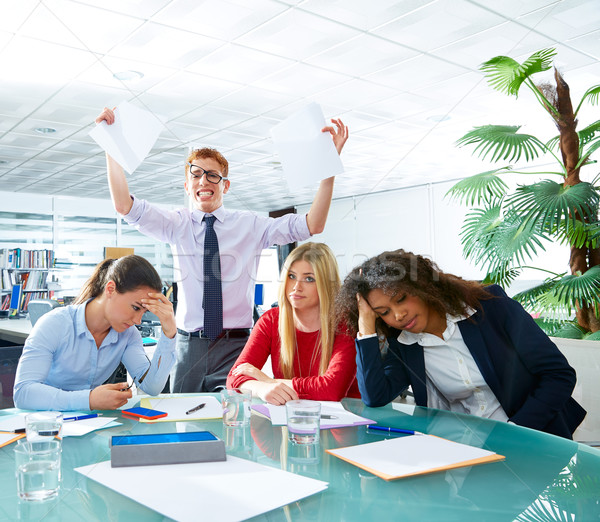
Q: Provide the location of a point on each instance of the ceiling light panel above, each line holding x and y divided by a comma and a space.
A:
417, 72
297, 35
97, 30
259, 100
167, 46
362, 55
239, 64
225, 20
361, 14
438, 24
301, 80
193, 87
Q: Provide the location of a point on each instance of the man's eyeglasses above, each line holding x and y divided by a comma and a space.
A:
198, 172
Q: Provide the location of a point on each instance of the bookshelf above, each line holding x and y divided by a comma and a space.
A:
28, 268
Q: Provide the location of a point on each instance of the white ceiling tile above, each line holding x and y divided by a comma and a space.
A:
297, 35
361, 14
237, 63
47, 64
193, 87
141, 9
301, 80
167, 46
362, 55
439, 23
258, 100
12, 18
96, 30
225, 19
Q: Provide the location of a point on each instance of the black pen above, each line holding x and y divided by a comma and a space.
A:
328, 416
199, 407
394, 430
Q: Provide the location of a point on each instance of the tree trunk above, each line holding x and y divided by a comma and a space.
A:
581, 259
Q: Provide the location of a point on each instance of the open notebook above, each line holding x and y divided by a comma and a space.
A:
401, 457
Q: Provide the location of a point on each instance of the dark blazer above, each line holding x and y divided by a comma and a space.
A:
526, 371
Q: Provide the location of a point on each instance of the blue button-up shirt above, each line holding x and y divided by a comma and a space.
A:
61, 363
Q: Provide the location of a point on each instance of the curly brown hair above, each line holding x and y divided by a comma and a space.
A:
399, 271
207, 152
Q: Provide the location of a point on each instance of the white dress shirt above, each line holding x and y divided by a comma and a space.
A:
454, 381
242, 237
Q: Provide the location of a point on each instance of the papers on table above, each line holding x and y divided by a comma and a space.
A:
7, 438
401, 457
12, 423
307, 155
235, 489
176, 407
129, 139
342, 417
78, 428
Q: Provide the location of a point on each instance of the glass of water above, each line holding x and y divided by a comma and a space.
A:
303, 421
37, 468
43, 425
236, 407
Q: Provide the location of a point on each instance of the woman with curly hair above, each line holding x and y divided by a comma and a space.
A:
460, 345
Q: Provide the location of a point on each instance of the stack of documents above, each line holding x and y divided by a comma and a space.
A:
402, 457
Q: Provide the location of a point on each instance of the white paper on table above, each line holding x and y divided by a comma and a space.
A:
129, 139
409, 409
12, 422
414, 454
82, 427
176, 407
235, 489
343, 417
307, 155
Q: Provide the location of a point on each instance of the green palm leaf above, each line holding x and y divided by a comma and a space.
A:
507, 75
588, 134
502, 275
581, 288
553, 143
578, 234
484, 186
593, 93
548, 202
477, 228
503, 142
514, 240
586, 155
530, 299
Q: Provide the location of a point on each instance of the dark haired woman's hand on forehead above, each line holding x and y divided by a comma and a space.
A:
366, 317
160, 306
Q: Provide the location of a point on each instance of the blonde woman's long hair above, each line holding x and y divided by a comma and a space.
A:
324, 265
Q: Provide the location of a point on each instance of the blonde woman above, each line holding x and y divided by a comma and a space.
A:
310, 357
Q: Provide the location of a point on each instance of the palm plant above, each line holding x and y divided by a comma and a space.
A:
505, 230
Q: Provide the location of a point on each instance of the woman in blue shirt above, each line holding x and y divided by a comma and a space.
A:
72, 350
461, 346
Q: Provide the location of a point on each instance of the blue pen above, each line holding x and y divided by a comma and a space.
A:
81, 417
394, 430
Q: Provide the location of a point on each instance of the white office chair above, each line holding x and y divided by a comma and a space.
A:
38, 307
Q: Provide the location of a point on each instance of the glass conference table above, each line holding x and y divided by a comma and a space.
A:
544, 478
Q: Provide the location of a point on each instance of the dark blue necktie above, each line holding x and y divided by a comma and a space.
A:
213, 297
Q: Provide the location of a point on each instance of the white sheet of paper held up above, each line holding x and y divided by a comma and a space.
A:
307, 155
129, 139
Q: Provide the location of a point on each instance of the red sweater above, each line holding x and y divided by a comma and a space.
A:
338, 381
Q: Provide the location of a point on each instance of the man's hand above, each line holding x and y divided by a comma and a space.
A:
107, 115
339, 134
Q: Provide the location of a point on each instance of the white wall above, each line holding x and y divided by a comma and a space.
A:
419, 219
